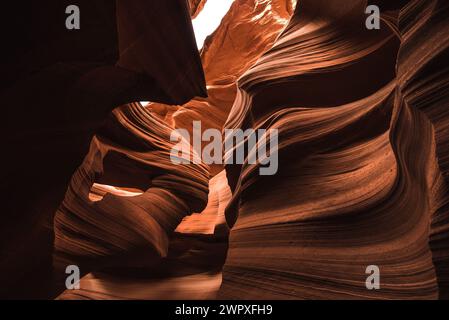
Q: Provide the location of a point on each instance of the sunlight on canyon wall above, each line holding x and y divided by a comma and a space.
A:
363, 158
209, 19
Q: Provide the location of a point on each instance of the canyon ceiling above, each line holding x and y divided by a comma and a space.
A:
363, 122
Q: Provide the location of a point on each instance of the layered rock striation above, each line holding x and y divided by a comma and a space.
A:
362, 170
361, 164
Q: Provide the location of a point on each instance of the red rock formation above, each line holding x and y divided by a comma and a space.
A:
195, 7
363, 164
421, 111
355, 186
248, 29
61, 97
192, 269
213, 111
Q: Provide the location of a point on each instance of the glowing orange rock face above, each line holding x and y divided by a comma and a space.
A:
363, 141
127, 169
195, 7
249, 29
359, 182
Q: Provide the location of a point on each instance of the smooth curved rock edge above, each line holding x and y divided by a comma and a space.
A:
362, 159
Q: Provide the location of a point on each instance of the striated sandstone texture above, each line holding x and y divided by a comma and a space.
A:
361, 117
195, 7
363, 151
150, 242
61, 89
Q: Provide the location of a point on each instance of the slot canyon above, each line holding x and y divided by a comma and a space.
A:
363, 155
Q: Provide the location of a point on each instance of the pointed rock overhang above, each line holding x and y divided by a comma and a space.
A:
153, 40
156, 38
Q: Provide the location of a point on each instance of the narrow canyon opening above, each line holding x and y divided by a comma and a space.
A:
90, 180
209, 19
207, 22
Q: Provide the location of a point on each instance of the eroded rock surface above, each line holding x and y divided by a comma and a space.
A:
363, 133
361, 166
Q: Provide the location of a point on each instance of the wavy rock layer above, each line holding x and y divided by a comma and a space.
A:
132, 151
115, 226
358, 180
363, 154
246, 32
191, 269
130, 158
57, 95
422, 104
195, 7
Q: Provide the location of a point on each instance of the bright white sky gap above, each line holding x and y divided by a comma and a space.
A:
209, 19
207, 22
